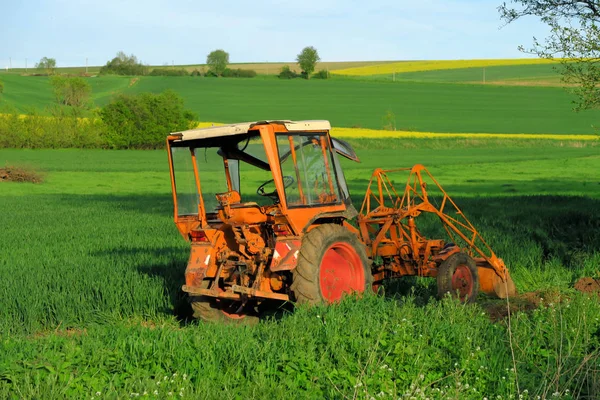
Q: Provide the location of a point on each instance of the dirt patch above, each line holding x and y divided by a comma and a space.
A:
526, 302
18, 174
588, 285
133, 81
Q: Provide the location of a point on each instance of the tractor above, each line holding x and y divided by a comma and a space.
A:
267, 211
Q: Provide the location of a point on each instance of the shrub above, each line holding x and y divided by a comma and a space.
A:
71, 91
169, 72
210, 74
41, 132
143, 121
1, 87
239, 73
287, 73
47, 64
322, 74
123, 64
195, 72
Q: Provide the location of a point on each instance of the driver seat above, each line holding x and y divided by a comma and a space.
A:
231, 209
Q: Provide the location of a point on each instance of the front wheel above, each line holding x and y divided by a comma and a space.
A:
458, 276
332, 263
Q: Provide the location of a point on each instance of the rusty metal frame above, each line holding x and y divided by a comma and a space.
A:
387, 226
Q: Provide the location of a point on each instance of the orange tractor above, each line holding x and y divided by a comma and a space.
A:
267, 211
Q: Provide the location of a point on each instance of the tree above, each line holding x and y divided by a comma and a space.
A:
123, 64
574, 39
71, 91
141, 121
217, 61
308, 59
47, 63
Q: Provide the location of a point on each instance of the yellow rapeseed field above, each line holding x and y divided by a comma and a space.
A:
415, 66
360, 133
384, 134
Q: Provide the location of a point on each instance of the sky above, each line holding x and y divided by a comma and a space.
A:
162, 32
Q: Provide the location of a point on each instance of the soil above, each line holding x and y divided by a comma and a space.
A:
588, 285
16, 174
498, 309
526, 302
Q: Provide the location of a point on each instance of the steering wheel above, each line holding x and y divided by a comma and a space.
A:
287, 182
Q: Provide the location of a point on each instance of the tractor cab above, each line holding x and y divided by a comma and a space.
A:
281, 173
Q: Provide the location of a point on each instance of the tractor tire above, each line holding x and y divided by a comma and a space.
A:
458, 276
210, 309
332, 262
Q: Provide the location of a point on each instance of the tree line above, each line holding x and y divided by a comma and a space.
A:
217, 62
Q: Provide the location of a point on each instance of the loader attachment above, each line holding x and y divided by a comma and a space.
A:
388, 227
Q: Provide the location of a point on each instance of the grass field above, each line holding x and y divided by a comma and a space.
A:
409, 106
524, 75
91, 266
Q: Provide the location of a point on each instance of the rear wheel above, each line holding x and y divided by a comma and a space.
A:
332, 263
458, 276
212, 309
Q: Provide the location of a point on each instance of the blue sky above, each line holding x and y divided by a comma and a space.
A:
184, 32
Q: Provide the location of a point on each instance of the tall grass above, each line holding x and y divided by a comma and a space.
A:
367, 348
91, 267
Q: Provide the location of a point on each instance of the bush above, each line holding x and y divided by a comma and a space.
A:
239, 73
169, 72
210, 74
1, 87
195, 72
42, 132
71, 91
322, 74
287, 73
123, 64
143, 121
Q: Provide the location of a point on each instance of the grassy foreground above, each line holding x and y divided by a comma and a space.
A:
91, 268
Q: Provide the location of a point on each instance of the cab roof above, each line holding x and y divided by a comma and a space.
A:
244, 127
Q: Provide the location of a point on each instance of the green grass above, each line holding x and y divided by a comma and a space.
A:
92, 264
429, 107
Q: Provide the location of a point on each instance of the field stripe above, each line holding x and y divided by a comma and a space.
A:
417, 66
360, 133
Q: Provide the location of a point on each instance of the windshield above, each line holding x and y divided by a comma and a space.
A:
308, 168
